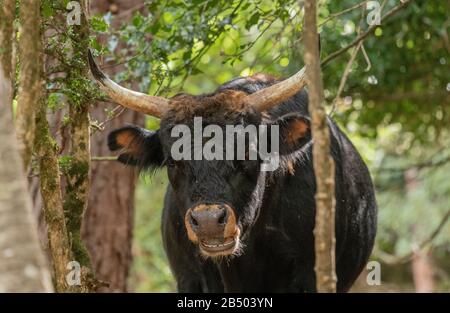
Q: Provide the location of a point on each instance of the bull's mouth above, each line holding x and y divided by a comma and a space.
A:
213, 229
219, 247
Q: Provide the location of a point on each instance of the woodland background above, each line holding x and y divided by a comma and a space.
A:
390, 94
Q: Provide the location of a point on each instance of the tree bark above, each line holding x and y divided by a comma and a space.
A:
50, 187
7, 9
421, 259
108, 221
422, 270
77, 171
31, 83
22, 262
324, 231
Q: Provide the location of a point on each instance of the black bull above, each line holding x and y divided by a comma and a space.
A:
227, 226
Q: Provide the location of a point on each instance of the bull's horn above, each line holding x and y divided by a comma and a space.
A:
137, 101
271, 96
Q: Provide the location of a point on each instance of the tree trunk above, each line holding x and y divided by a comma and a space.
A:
63, 211
7, 9
50, 190
31, 83
422, 269
421, 265
108, 221
77, 169
324, 231
22, 262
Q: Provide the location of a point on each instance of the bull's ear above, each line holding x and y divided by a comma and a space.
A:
138, 147
295, 132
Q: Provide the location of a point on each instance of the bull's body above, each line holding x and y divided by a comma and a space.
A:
227, 224
278, 252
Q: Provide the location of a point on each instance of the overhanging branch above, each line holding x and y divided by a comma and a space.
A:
365, 34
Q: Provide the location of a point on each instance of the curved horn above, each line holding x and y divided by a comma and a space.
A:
137, 101
271, 96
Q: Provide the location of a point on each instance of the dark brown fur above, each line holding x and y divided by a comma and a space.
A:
185, 107
227, 102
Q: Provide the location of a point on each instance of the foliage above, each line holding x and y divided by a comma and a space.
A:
407, 80
180, 43
412, 194
150, 270
178, 39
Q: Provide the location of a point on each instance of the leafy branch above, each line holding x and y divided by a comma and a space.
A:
365, 34
395, 260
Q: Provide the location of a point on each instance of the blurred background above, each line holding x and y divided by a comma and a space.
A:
394, 105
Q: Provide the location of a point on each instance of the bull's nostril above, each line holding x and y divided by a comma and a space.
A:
223, 217
194, 221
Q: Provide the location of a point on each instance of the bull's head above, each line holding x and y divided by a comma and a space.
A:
218, 200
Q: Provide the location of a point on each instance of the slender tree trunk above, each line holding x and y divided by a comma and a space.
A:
77, 171
65, 200
324, 230
50, 189
31, 83
108, 222
421, 265
422, 269
22, 262
47, 152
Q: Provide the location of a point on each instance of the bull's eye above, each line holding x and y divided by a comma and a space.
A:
170, 162
194, 221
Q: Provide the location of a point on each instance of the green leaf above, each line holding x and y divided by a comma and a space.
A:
99, 24
137, 20
47, 9
253, 20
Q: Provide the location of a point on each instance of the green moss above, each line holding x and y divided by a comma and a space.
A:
64, 163
77, 169
68, 52
73, 210
79, 251
77, 173
42, 135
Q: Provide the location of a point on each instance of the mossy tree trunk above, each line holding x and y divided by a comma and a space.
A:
78, 166
64, 168
7, 9
31, 82
46, 151
32, 97
108, 221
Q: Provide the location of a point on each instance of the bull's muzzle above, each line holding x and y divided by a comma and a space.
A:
213, 227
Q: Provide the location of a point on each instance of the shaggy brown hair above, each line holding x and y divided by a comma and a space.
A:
222, 102
226, 102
